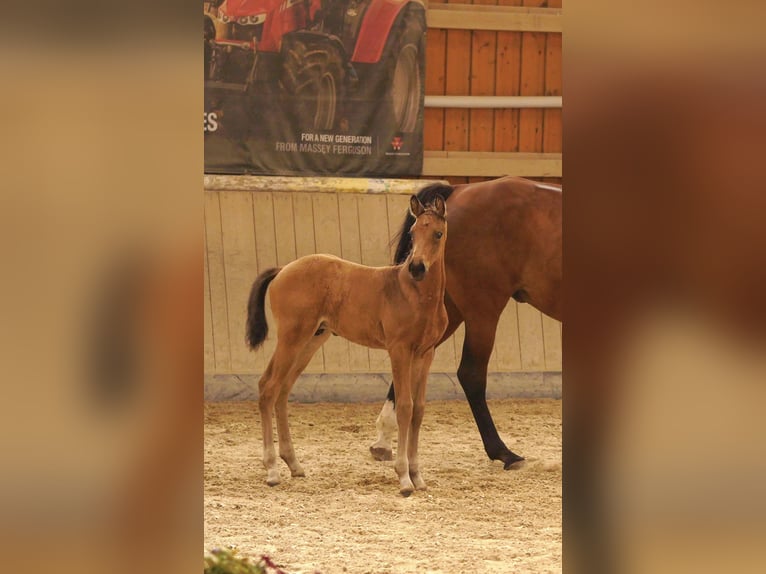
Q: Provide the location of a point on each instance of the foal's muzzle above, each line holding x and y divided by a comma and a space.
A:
417, 270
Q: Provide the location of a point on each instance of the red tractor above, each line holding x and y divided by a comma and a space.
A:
325, 61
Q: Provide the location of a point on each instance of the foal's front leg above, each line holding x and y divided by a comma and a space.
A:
401, 364
420, 369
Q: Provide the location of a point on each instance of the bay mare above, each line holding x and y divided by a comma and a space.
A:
505, 242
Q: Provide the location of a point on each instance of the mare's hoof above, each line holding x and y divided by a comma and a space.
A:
513, 462
380, 453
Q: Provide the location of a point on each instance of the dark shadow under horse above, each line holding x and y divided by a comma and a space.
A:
504, 242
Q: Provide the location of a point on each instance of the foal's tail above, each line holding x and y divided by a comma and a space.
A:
403, 239
257, 328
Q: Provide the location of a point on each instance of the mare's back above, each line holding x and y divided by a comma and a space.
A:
505, 233
507, 215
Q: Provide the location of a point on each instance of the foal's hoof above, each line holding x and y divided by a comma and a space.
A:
380, 453
272, 478
406, 491
513, 462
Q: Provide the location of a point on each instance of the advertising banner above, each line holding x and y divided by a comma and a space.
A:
314, 87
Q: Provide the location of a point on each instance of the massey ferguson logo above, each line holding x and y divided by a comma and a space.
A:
396, 143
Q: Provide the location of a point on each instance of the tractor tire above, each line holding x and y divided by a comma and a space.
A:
312, 80
402, 66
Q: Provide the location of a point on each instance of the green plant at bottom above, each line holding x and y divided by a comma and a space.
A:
226, 561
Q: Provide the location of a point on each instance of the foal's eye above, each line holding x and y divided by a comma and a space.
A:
438, 235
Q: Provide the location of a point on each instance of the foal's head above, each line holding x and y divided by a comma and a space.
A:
429, 234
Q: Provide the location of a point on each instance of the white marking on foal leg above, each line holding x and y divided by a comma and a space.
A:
382, 449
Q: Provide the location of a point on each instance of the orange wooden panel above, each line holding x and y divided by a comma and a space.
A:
483, 62
457, 83
532, 84
552, 117
436, 62
507, 83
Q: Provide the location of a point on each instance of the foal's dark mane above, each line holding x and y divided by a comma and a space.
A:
426, 196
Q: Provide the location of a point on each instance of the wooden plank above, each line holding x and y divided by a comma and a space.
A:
373, 219
507, 83
457, 83
241, 265
305, 244
436, 70
397, 207
209, 349
483, 61
507, 339
327, 238
532, 84
317, 184
552, 343
217, 283
463, 17
284, 227
351, 249
552, 124
490, 164
266, 254
531, 338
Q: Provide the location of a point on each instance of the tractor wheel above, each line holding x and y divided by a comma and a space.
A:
312, 80
403, 63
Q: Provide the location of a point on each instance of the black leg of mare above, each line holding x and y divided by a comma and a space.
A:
472, 375
391, 396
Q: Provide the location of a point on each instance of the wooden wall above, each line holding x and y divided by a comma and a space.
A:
248, 231
495, 63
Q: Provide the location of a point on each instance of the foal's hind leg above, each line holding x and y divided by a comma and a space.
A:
286, 450
266, 398
270, 388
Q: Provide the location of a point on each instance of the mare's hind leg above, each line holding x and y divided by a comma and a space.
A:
472, 374
382, 448
286, 450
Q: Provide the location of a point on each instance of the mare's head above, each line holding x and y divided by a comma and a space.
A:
429, 234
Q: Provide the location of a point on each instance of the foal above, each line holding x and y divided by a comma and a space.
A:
398, 308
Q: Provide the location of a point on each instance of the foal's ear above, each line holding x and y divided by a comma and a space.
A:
440, 206
416, 208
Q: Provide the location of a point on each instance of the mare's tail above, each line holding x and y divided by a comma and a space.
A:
426, 196
257, 328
